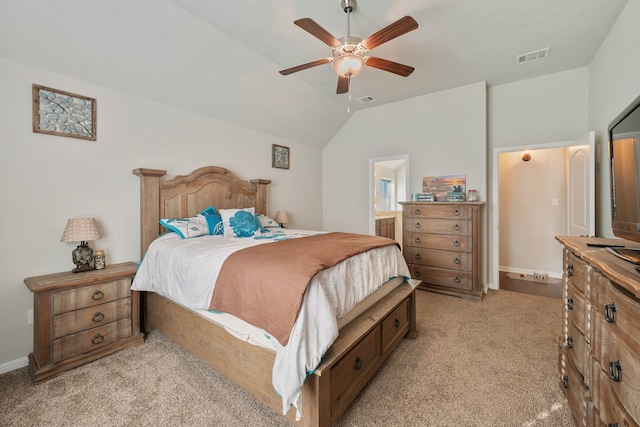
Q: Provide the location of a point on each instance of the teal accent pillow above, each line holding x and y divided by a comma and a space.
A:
239, 222
214, 221
187, 228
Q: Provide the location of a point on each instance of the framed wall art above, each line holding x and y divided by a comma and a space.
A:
279, 156
56, 112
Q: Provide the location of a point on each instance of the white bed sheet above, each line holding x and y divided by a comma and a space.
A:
185, 270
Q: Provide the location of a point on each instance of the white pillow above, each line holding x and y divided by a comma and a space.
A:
187, 228
239, 222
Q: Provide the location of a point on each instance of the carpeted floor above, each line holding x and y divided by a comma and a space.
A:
492, 363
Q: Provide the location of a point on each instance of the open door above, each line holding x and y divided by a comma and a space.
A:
580, 187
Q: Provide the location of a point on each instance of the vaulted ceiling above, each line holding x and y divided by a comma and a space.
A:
221, 58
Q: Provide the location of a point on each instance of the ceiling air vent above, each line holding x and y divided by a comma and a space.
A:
533, 56
366, 99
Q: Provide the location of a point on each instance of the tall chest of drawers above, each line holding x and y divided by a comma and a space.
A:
81, 317
599, 349
441, 244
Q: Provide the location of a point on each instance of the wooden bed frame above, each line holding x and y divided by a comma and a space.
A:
348, 365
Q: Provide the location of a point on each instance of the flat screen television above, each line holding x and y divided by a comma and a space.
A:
624, 149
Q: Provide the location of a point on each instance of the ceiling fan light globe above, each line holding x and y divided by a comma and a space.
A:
348, 65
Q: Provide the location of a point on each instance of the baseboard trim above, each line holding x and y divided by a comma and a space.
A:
13, 365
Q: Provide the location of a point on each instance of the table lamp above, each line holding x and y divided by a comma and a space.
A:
282, 217
81, 230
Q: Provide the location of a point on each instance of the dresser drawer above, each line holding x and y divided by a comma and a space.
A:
577, 309
86, 341
453, 227
87, 296
577, 395
439, 211
395, 326
577, 272
611, 411
439, 258
440, 241
576, 349
349, 374
80, 320
442, 277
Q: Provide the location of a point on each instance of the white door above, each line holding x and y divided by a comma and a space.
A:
580, 187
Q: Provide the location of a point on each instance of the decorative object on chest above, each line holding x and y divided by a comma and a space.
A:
79, 318
599, 349
441, 245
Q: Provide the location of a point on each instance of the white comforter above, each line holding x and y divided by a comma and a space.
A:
186, 270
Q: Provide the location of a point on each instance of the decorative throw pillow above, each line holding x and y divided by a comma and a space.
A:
187, 228
239, 222
214, 220
267, 222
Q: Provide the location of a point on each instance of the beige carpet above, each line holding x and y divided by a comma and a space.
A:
492, 363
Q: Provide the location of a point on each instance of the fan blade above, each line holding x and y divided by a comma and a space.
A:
390, 66
304, 66
343, 85
313, 28
398, 28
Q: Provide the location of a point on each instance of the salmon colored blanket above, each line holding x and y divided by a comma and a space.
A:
264, 284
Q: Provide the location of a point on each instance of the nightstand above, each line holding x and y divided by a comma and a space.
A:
82, 317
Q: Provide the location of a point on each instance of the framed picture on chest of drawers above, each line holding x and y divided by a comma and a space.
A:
441, 244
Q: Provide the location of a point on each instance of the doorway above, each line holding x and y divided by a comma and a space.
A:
388, 186
539, 194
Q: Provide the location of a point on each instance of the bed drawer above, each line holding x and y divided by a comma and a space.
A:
395, 326
354, 369
80, 320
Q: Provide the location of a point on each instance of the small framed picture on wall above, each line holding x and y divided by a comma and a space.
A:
61, 113
279, 157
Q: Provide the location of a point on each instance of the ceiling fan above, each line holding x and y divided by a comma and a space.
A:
349, 53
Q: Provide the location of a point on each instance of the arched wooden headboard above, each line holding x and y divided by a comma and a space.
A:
186, 195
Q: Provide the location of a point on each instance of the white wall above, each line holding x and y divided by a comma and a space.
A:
614, 83
443, 133
48, 179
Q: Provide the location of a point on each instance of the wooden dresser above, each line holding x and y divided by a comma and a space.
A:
599, 350
386, 227
81, 317
441, 244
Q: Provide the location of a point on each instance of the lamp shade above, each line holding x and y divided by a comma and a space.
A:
282, 217
81, 230
348, 65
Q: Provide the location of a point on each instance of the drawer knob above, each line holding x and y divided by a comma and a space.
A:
417, 211
610, 312
417, 256
456, 212
565, 381
97, 295
570, 270
397, 323
614, 425
417, 240
456, 261
97, 339
418, 225
97, 317
569, 303
456, 227
456, 279
456, 243
614, 371
569, 342
358, 364
417, 274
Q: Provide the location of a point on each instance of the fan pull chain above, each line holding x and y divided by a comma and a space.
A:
349, 98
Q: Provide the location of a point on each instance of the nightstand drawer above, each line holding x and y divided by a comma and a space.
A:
89, 340
88, 296
80, 320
